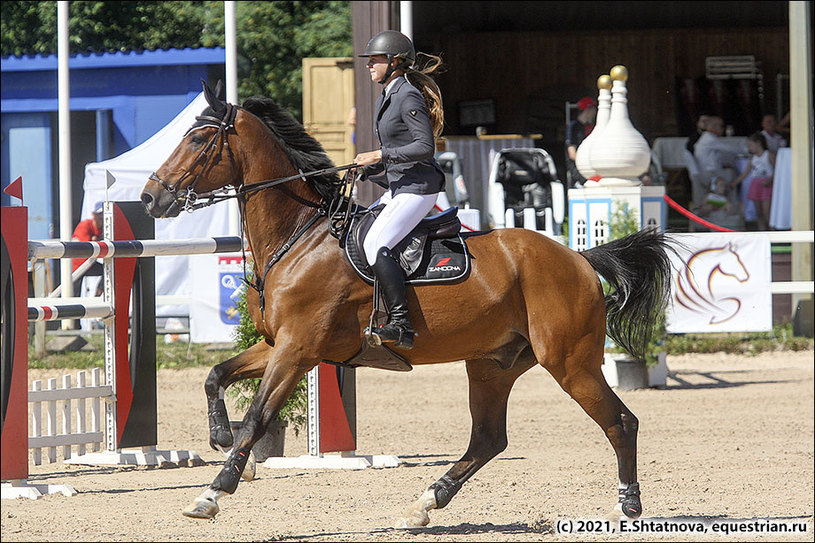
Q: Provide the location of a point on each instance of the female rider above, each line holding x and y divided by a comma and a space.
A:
407, 120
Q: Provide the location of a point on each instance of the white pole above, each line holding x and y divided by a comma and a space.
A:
66, 221
230, 42
801, 137
406, 18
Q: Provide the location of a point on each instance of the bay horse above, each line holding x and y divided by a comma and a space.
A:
528, 300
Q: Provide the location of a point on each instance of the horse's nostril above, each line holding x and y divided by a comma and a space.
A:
146, 200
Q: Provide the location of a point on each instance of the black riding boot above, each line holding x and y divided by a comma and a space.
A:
391, 280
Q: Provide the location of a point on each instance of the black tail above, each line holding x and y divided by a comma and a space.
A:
638, 270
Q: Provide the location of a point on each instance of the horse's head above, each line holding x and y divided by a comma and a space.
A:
731, 264
197, 165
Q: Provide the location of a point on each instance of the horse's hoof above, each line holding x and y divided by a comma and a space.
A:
629, 503
415, 519
206, 509
249, 471
631, 509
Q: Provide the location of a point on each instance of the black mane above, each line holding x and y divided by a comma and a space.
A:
304, 152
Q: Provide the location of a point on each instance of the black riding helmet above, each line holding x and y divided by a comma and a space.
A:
392, 44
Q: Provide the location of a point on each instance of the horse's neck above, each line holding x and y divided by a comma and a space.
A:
704, 265
271, 216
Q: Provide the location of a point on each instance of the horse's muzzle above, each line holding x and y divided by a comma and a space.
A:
158, 202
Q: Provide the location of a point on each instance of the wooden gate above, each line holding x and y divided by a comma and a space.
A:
328, 100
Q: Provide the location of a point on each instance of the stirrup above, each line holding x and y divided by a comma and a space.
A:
391, 333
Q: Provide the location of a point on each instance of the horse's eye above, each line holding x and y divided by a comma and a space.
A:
197, 140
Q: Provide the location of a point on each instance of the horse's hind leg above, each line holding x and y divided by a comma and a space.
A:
489, 387
246, 365
588, 387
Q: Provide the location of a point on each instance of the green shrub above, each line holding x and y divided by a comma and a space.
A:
295, 410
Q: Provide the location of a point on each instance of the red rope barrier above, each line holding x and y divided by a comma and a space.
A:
695, 218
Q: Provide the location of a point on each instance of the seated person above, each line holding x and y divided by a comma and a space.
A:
715, 155
701, 122
716, 198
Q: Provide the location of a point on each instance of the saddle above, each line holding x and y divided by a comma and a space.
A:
444, 259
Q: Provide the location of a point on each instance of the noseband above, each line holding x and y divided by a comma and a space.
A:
185, 198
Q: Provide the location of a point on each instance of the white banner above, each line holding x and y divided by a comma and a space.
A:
216, 288
721, 283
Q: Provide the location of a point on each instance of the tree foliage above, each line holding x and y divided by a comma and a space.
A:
272, 37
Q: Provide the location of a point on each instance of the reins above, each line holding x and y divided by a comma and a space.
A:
219, 195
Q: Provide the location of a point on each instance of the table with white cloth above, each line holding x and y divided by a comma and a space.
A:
781, 203
670, 152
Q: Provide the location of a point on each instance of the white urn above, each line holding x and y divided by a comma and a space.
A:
583, 158
620, 153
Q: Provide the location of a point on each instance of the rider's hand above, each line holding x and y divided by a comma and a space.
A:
366, 159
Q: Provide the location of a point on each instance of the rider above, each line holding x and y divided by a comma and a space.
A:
407, 120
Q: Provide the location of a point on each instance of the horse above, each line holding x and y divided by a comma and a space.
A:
529, 300
695, 284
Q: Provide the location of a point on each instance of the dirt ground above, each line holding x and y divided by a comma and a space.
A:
729, 439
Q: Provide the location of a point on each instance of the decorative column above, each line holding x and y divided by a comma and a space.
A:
620, 153
583, 159
617, 154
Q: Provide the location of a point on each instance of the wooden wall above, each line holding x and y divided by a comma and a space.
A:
531, 75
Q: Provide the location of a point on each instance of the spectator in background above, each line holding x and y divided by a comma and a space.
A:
715, 155
760, 170
576, 132
784, 126
769, 129
701, 122
89, 230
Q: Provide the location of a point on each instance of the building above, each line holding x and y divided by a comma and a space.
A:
117, 101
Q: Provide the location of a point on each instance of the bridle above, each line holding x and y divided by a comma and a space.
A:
186, 198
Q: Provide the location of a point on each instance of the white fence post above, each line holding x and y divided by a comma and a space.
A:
51, 409
66, 416
37, 421
80, 411
96, 411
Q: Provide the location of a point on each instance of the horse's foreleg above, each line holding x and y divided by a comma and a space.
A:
279, 380
246, 365
489, 388
589, 389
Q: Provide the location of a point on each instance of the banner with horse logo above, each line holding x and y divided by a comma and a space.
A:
720, 283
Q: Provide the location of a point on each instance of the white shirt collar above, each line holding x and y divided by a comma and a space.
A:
390, 85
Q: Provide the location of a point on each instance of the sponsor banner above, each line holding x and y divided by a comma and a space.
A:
720, 283
216, 289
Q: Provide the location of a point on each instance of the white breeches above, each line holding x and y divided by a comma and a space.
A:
401, 214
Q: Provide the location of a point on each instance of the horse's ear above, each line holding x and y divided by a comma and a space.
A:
220, 91
212, 97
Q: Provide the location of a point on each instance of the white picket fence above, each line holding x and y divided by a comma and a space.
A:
72, 406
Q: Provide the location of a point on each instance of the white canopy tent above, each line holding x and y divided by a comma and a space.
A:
131, 171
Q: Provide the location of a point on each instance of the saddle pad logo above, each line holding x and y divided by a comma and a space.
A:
442, 265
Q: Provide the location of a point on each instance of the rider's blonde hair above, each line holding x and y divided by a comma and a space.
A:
420, 78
